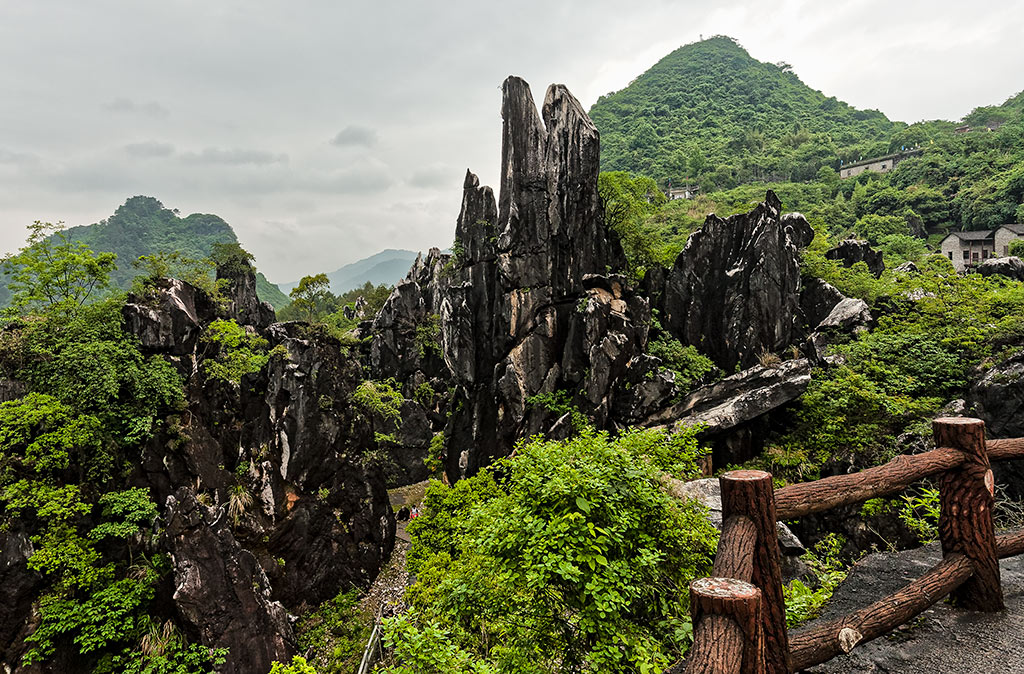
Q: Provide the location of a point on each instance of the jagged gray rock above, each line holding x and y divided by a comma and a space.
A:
1010, 267
170, 318
738, 399
817, 299
221, 592
852, 251
733, 292
243, 304
531, 308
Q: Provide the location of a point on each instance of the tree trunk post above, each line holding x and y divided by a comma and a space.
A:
727, 627
750, 493
965, 519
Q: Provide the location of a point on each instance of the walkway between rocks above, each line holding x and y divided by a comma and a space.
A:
943, 640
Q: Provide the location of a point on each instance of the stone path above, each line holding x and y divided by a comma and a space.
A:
943, 640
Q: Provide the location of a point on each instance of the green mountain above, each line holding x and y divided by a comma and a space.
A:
388, 267
143, 226
710, 114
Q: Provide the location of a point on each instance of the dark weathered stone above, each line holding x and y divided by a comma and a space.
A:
738, 399
169, 319
531, 308
243, 305
1010, 267
221, 593
817, 299
734, 289
18, 589
852, 251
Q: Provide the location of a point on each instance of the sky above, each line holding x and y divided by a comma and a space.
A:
324, 131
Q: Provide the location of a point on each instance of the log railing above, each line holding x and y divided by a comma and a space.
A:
739, 615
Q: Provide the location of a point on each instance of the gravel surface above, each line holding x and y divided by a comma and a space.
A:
943, 639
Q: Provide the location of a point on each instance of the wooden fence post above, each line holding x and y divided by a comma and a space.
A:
965, 519
749, 493
727, 627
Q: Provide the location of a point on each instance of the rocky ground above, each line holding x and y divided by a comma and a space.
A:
943, 639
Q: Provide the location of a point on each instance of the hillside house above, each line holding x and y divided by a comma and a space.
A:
966, 249
878, 164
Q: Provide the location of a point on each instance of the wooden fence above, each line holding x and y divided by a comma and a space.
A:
739, 615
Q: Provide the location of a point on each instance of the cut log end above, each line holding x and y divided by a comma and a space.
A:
848, 638
958, 421
724, 588
746, 475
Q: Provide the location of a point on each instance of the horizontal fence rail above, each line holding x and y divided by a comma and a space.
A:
739, 614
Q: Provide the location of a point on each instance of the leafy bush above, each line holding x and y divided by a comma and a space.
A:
804, 603
235, 351
333, 636
379, 398
572, 558
688, 364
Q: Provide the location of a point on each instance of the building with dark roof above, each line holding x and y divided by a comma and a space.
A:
966, 249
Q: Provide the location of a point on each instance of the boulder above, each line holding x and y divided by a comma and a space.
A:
734, 290
220, 592
738, 399
1010, 267
906, 268
817, 299
852, 251
850, 316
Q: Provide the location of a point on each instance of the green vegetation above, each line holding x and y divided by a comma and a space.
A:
66, 448
143, 227
804, 603
313, 302
709, 114
232, 352
334, 635
567, 556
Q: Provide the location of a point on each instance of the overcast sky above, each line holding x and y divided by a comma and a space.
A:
326, 130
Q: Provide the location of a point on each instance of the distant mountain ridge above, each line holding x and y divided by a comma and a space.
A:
710, 113
143, 226
388, 267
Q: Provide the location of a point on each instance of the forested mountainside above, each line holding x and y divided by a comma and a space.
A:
709, 110
143, 226
709, 115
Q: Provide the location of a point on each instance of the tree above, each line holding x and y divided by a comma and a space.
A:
1017, 248
53, 273
312, 296
628, 201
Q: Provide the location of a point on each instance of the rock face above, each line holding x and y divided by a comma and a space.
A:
852, 251
170, 319
739, 398
220, 590
1010, 267
735, 410
240, 289
997, 396
531, 309
292, 462
406, 347
817, 299
734, 289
